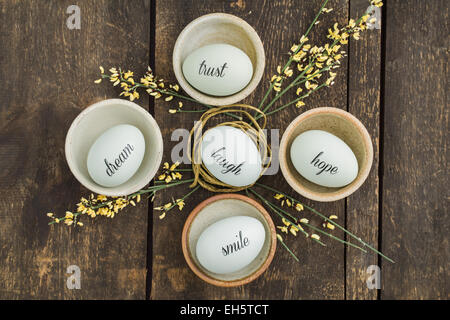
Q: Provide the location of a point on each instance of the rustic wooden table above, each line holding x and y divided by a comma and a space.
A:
395, 80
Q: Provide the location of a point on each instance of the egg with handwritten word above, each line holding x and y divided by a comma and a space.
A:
231, 156
116, 155
218, 69
230, 244
324, 159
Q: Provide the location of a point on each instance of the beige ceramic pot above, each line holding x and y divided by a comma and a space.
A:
343, 125
96, 119
212, 29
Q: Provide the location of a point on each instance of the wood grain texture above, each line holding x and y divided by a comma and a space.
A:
364, 102
415, 181
47, 72
320, 274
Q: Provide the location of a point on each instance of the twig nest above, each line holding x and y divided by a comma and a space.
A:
231, 156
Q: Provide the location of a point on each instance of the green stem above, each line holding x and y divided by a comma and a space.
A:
280, 94
274, 207
152, 189
182, 199
328, 220
276, 211
288, 250
299, 48
190, 111
293, 101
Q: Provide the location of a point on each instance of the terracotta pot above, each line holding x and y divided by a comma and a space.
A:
217, 208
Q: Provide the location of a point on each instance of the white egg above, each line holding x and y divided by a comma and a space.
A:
218, 69
116, 155
324, 159
231, 156
230, 244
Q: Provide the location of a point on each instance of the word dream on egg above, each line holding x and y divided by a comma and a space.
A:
116, 155
119, 161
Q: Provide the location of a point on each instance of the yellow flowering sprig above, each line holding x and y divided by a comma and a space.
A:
101, 205
170, 172
329, 220
284, 215
296, 52
175, 202
313, 62
154, 86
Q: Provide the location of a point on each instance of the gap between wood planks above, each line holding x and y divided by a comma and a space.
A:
381, 134
151, 107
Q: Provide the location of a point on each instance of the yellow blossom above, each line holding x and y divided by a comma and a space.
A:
315, 236
102, 197
299, 104
180, 204
127, 74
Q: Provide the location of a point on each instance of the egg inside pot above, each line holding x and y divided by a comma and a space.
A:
116, 155
324, 159
230, 244
218, 69
231, 156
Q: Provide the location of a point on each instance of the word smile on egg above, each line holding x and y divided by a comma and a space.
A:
111, 168
212, 71
241, 243
222, 161
323, 166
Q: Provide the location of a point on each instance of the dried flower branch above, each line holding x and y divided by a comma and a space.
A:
101, 205
154, 86
313, 62
329, 219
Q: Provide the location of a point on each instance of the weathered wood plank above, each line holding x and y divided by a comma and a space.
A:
47, 74
320, 274
364, 103
415, 193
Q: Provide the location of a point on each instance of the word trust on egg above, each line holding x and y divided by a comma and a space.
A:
324, 159
231, 156
218, 69
116, 155
230, 244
